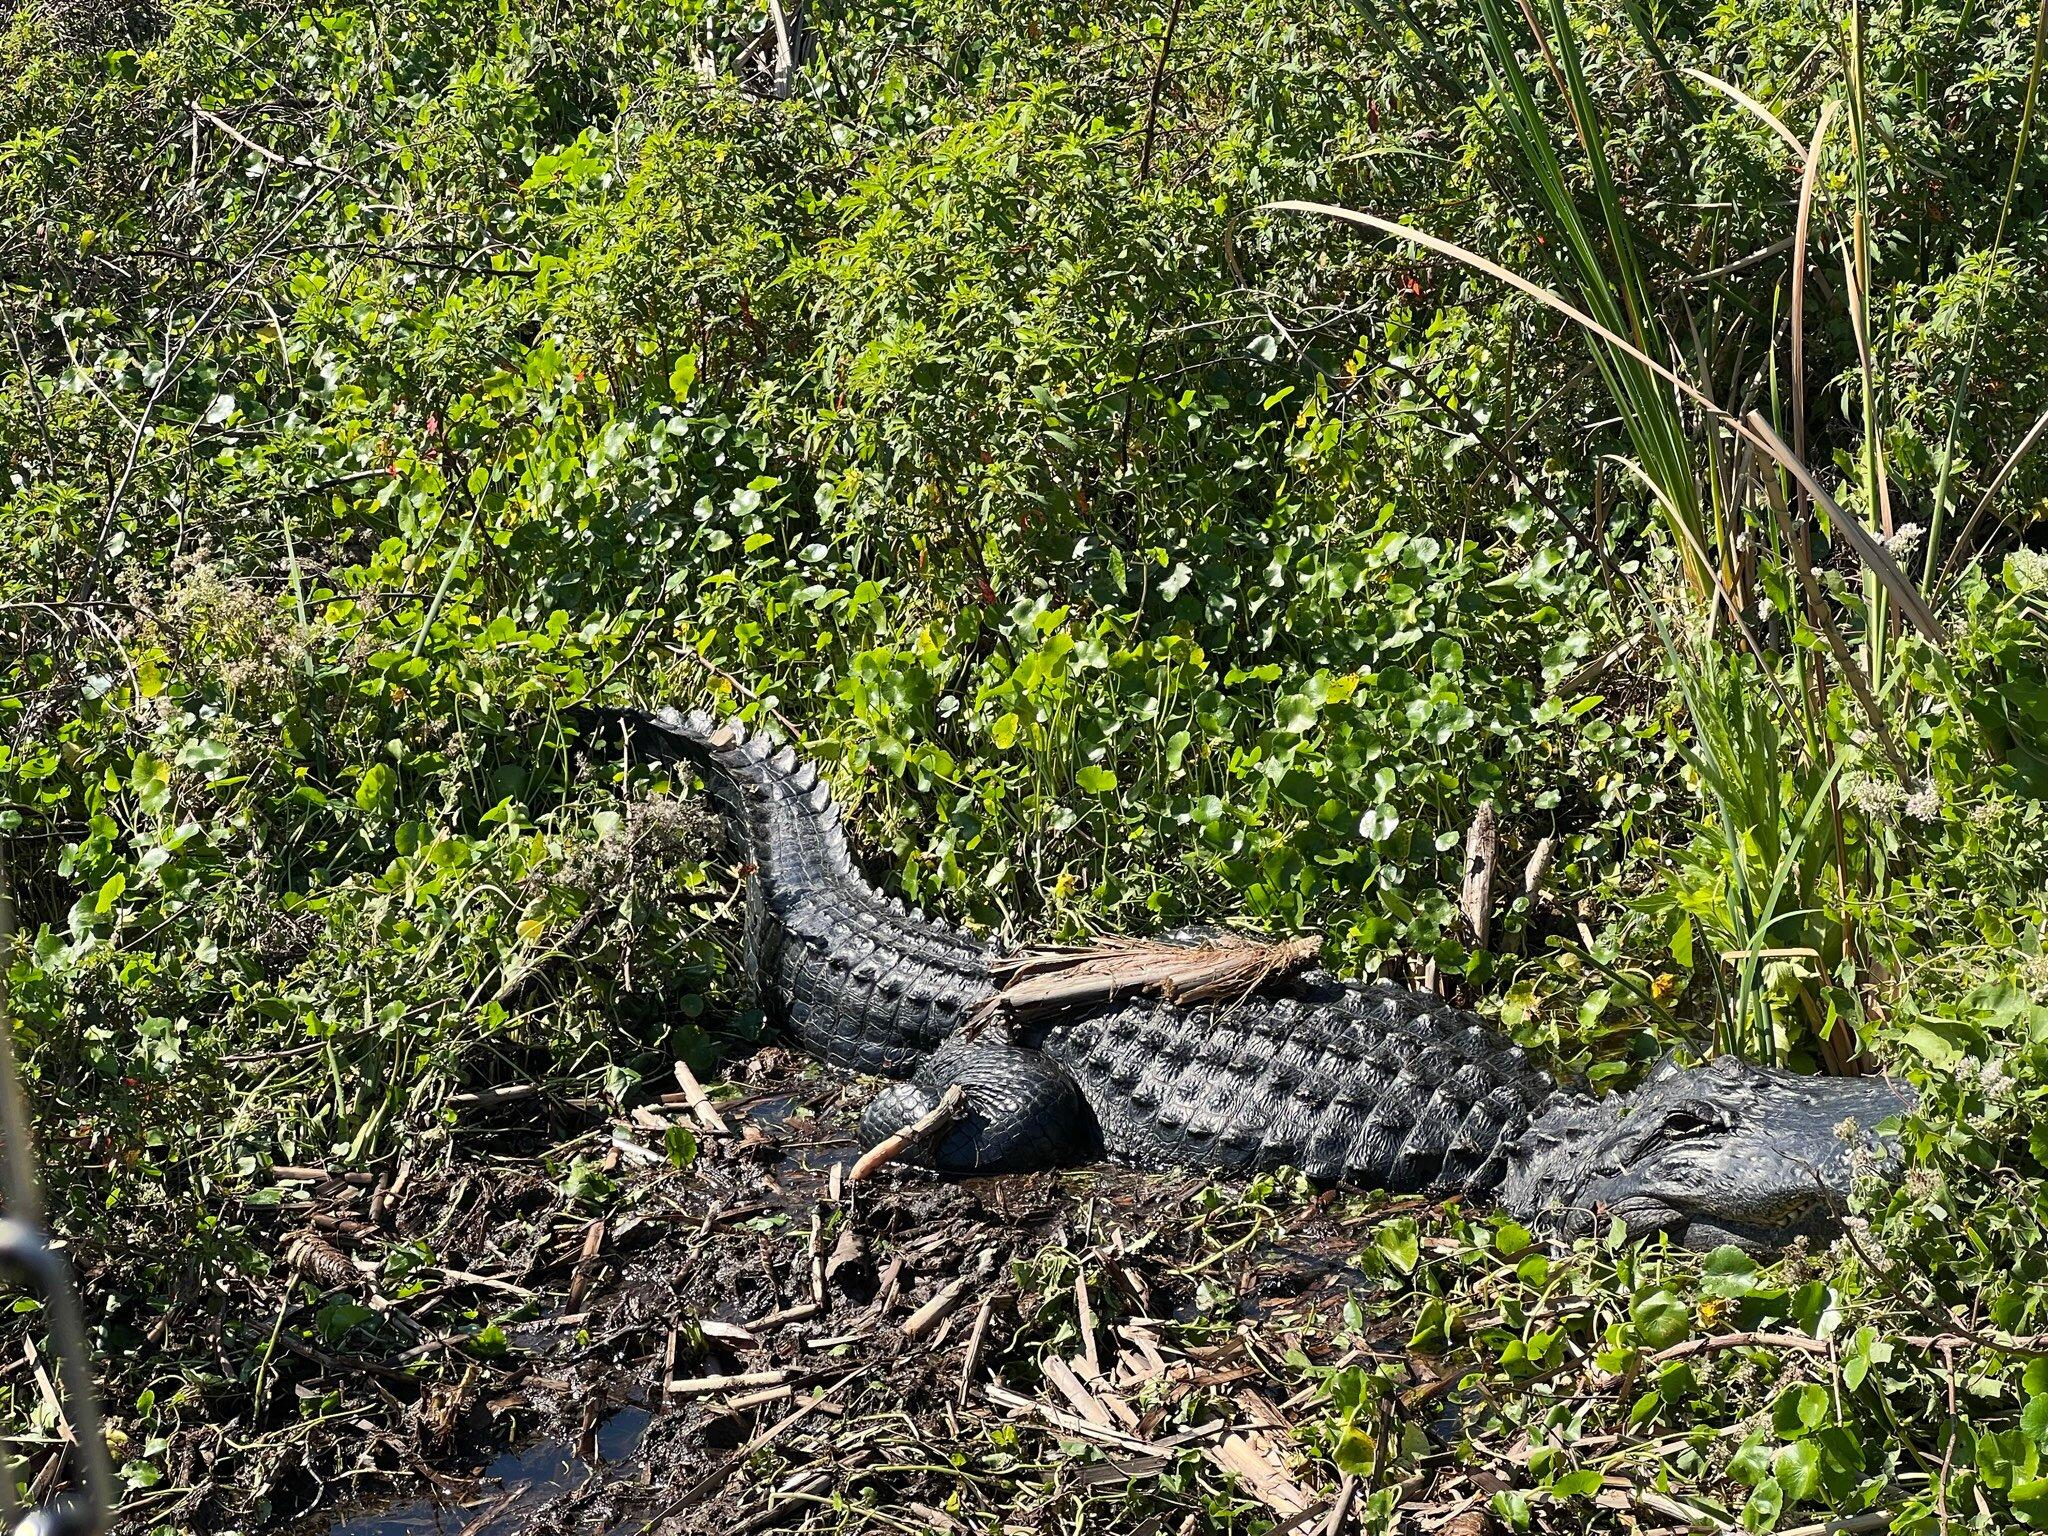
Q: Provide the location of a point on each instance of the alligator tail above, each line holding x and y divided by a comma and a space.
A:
777, 810
856, 977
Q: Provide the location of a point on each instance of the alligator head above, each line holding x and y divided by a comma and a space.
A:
1724, 1153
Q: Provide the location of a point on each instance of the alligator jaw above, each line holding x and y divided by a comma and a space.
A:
1725, 1153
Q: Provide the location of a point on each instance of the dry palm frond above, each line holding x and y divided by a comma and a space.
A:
1058, 979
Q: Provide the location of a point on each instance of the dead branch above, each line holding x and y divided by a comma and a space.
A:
894, 1145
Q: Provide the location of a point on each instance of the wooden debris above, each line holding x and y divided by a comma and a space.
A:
887, 1286
1246, 1460
835, 1340
976, 1341
323, 1263
1120, 1410
926, 1317
699, 1386
1482, 854
485, 1098
1110, 1470
796, 1314
1070, 1423
1037, 983
894, 1145
1068, 1385
632, 1151
758, 1399
1347, 1491
484, 1282
586, 1263
699, 1102
1084, 1319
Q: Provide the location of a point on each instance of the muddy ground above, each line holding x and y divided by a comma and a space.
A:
748, 1342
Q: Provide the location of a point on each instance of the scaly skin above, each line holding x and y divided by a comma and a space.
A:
1371, 1086
852, 976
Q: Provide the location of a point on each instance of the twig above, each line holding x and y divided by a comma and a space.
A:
698, 1386
484, 1098
926, 1317
273, 156
1158, 85
1341, 1510
1084, 1318
976, 1339
1482, 853
586, 1263
1585, 678
894, 1145
699, 1101
1746, 1340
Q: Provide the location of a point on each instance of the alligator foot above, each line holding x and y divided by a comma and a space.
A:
1023, 1110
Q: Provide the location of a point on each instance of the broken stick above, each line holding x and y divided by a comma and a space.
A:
928, 1316
1482, 853
896, 1143
699, 1101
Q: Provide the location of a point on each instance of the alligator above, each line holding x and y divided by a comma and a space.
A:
1364, 1085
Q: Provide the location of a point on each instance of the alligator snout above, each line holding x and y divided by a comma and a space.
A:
1725, 1153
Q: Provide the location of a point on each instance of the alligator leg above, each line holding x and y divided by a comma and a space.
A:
1023, 1110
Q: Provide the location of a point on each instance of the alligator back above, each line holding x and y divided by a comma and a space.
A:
1373, 1086
854, 977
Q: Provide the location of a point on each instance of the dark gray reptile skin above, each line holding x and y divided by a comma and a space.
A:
1372, 1086
1368, 1085
854, 977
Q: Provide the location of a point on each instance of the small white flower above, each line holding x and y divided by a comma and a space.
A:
2027, 570
1877, 799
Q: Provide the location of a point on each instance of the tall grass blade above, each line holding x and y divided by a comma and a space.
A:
1749, 103
1752, 426
1809, 180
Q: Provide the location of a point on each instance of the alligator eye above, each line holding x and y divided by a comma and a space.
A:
1687, 1121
